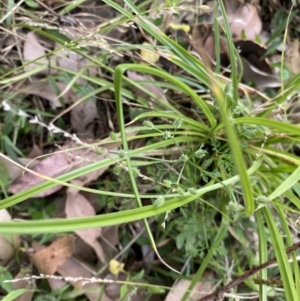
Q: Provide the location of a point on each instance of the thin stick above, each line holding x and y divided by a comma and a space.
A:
217, 295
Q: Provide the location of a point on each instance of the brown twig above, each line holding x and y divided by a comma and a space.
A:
218, 294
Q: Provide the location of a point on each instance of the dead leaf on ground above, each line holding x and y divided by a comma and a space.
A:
255, 68
32, 50
14, 172
24, 284
46, 91
203, 43
75, 269
64, 161
113, 290
200, 290
109, 239
292, 57
8, 243
78, 206
83, 251
243, 19
50, 258
35, 152
159, 98
74, 62
83, 116
259, 78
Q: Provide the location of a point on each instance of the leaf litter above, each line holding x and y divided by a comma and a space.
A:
245, 25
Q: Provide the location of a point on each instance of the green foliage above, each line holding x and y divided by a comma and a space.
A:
209, 169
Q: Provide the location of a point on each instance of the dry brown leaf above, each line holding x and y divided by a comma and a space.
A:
203, 43
82, 118
63, 161
23, 284
292, 57
35, 152
14, 172
49, 259
84, 252
255, 67
8, 243
113, 289
260, 79
243, 19
45, 90
71, 62
109, 239
74, 268
78, 206
200, 290
160, 97
32, 50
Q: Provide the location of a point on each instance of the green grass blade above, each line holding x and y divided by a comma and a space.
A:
220, 236
263, 254
115, 218
286, 185
281, 257
236, 151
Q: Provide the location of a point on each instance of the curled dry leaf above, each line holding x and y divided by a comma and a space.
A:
49, 259
8, 243
78, 206
243, 19
33, 50
200, 289
63, 161
255, 68
259, 78
159, 96
75, 269
83, 116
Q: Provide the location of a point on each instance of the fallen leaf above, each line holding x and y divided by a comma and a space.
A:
109, 239
71, 61
83, 117
75, 269
32, 50
8, 243
159, 96
292, 57
243, 19
35, 152
45, 90
63, 161
84, 252
203, 43
49, 259
78, 206
254, 54
24, 284
14, 172
255, 68
200, 289
260, 79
